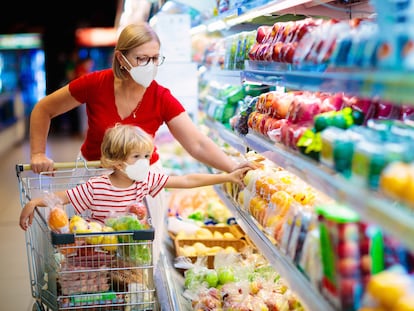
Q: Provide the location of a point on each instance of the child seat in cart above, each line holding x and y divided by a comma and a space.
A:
84, 270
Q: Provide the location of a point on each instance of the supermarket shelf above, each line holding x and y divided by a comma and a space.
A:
396, 219
389, 85
248, 12
231, 77
297, 282
228, 136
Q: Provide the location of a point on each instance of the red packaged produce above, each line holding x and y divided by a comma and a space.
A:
271, 38
280, 105
274, 132
387, 111
304, 27
407, 112
252, 54
263, 51
365, 106
287, 52
304, 108
333, 102
263, 33
292, 132
277, 31
261, 103
287, 29
277, 54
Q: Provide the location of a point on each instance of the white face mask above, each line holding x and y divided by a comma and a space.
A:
142, 74
139, 170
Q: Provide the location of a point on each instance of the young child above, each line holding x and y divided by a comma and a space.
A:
125, 149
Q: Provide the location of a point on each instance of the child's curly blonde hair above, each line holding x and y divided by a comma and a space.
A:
122, 139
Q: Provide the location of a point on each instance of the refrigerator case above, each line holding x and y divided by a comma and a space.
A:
22, 83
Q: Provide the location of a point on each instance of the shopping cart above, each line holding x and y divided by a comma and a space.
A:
84, 271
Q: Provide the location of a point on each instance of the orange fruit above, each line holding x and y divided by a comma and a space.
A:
58, 219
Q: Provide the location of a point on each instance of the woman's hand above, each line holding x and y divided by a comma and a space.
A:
41, 163
246, 164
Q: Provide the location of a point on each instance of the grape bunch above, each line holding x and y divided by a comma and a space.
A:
248, 106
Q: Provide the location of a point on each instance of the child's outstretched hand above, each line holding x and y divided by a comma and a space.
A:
26, 215
237, 176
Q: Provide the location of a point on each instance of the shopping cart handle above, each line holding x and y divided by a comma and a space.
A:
62, 165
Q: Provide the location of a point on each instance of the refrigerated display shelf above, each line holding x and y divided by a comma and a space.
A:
389, 85
170, 282
395, 218
297, 282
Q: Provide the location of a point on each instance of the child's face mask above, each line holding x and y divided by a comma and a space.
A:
139, 170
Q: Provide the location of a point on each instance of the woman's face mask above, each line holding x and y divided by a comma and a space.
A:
142, 74
139, 170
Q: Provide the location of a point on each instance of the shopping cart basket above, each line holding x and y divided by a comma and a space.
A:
84, 271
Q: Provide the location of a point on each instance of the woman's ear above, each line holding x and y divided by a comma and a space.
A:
120, 59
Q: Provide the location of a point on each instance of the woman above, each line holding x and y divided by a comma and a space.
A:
126, 94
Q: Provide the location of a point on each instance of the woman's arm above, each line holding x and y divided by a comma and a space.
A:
200, 146
200, 180
47, 108
27, 213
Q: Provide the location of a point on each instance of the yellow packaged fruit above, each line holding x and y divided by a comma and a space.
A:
203, 233
94, 227
281, 201
58, 219
228, 235
394, 179
109, 241
218, 235
388, 287
405, 303
408, 194
78, 225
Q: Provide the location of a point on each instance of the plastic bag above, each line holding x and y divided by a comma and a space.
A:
58, 220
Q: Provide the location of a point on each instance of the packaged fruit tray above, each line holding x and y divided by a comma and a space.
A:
194, 248
230, 232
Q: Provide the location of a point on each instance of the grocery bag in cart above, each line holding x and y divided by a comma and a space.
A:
110, 268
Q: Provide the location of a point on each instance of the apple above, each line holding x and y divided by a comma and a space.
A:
253, 51
276, 55
211, 277
138, 209
348, 249
262, 33
225, 275
348, 266
109, 241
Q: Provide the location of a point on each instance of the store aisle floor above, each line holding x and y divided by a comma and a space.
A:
15, 292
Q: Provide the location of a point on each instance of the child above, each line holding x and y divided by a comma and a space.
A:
125, 149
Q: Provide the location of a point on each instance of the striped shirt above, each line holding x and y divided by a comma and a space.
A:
102, 200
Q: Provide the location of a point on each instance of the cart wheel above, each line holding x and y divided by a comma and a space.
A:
38, 307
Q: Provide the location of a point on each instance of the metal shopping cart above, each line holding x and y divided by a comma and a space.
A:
84, 271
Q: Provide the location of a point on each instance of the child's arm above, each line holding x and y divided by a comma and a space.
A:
200, 180
27, 213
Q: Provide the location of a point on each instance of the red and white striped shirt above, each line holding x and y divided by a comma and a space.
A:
102, 199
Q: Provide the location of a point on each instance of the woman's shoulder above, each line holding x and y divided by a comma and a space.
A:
98, 75
101, 74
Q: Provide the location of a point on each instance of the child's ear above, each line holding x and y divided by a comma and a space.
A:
119, 165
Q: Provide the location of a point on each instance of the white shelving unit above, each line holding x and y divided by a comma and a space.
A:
396, 219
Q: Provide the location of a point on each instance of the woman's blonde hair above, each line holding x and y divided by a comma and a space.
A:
122, 139
132, 36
